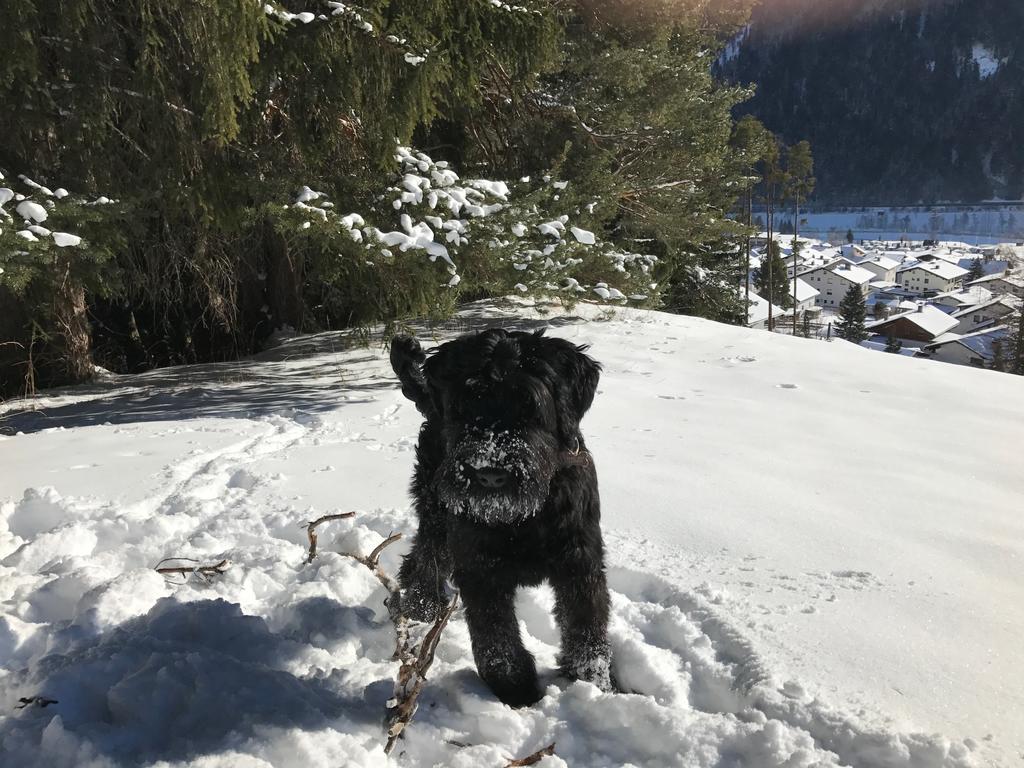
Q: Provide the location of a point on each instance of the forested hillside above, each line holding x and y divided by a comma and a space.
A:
180, 178
904, 101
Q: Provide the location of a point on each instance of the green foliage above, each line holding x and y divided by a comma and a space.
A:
892, 344
975, 272
771, 281
998, 362
889, 94
851, 316
206, 118
1014, 343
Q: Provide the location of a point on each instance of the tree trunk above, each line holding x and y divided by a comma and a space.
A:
74, 340
796, 233
284, 280
746, 269
771, 277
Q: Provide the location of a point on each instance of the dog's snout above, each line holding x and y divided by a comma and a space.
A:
492, 477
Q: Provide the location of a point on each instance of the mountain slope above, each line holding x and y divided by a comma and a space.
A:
904, 101
814, 552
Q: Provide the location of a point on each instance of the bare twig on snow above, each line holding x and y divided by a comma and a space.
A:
206, 571
412, 677
311, 530
533, 759
37, 701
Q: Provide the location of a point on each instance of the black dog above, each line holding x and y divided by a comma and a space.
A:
506, 495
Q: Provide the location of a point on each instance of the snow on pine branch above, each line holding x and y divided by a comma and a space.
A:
521, 244
358, 18
31, 209
353, 15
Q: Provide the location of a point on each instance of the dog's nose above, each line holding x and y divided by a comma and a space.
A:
492, 477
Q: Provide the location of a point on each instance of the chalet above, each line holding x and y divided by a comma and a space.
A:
757, 312
925, 324
968, 296
806, 295
990, 313
833, 281
975, 349
1007, 282
930, 277
883, 267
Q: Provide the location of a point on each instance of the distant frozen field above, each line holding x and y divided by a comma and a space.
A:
816, 554
973, 225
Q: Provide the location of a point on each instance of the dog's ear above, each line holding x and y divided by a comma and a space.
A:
584, 375
407, 358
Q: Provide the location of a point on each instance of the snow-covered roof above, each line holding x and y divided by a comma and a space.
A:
929, 319
944, 269
884, 262
987, 267
964, 297
853, 273
757, 312
805, 291
1012, 278
1004, 300
979, 341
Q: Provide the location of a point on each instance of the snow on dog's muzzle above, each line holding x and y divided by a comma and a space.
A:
494, 476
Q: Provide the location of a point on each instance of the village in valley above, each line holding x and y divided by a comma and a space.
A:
942, 300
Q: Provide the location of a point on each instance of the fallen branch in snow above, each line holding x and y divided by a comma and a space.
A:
533, 759
38, 701
412, 677
415, 659
206, 571
311, 530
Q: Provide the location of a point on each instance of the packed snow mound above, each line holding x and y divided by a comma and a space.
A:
812, 556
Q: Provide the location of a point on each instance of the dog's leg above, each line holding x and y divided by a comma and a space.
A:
501, 659
425, 569
582, 606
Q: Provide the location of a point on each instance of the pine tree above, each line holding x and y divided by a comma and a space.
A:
800, 183
1015, 346
771, 277
851, 316
773, 179
892, 344
750, 139
975, 272
998, 362
849, 236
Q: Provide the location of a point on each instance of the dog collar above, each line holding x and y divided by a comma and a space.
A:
577, 457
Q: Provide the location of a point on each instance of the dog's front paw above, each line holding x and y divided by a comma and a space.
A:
591, 666
512, 677
418, 605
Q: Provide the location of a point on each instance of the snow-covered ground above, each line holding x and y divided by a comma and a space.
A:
816, 555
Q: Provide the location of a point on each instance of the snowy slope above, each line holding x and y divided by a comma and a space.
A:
816, 556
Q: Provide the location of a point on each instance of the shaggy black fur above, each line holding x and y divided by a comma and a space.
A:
506, 495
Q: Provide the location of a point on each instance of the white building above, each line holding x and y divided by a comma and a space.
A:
883, 267
930, 277
969, 296
925, 324
833, 281
989, 314
974, 349
806, 295
757, 312
1008, 282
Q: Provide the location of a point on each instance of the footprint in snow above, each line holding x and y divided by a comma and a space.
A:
787, 386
